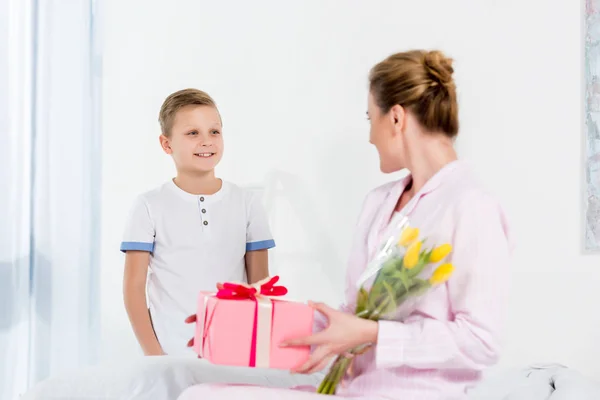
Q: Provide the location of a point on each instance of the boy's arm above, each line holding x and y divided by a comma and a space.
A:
258, 241
257, 265
134, 294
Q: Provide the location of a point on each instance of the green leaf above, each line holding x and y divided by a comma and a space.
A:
399, 264
381, 275
391, 294
405, 280
396, 274
400, 299
416, 270
420, 287
372, 303
375, 290
361, 300
389, 265
425, 256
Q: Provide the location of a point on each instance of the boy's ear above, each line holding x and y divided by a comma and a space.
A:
165, 144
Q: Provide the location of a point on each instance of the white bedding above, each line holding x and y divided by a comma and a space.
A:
537, 382
156, 378
164, 378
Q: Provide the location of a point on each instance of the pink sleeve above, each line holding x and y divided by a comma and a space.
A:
477, 296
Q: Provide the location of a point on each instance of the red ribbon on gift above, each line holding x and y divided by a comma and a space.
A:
266, 287
261, 332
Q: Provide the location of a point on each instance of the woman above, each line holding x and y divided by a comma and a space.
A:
441, 349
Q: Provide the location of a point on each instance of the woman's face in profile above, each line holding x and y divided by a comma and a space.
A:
383, 137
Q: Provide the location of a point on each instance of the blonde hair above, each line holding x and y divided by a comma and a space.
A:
176, 101
420, 81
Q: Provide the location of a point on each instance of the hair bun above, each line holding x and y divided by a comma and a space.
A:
439, 67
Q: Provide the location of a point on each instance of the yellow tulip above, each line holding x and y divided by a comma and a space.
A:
411, 258
441, 274
408, 236
440, 252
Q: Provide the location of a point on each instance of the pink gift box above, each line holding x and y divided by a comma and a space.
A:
227, 330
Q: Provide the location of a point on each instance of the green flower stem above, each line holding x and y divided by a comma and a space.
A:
375, 315
327, 382
335, 375
339, 374
344, 364
324, 383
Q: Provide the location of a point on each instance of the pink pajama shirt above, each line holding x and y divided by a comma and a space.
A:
440, 350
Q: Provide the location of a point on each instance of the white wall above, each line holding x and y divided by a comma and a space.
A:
291, 83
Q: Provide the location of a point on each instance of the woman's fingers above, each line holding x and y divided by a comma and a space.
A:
316, 358
321, 365
316, 339
323, 309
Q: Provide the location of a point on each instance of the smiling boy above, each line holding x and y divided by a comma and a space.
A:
190, 233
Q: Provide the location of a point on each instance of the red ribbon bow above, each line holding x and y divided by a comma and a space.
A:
240, 291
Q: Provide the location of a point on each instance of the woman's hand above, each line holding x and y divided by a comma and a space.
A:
344, 332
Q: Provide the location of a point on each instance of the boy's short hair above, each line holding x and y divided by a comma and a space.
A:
177, 101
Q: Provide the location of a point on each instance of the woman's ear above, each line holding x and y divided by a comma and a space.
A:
398, 116
165, 144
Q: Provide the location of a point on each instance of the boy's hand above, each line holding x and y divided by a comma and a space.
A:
192, 318
156, 353
134, 297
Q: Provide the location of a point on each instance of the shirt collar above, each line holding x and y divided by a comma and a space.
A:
432, 184
204, 198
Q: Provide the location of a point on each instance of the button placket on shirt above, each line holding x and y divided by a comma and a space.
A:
203, 211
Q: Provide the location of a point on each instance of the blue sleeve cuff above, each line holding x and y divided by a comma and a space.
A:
137, 246
262, 245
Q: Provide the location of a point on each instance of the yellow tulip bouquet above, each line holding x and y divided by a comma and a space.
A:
398, 268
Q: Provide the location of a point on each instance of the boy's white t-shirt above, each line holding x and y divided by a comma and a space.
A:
194, 242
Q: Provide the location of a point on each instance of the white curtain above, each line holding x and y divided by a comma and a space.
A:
49, 189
